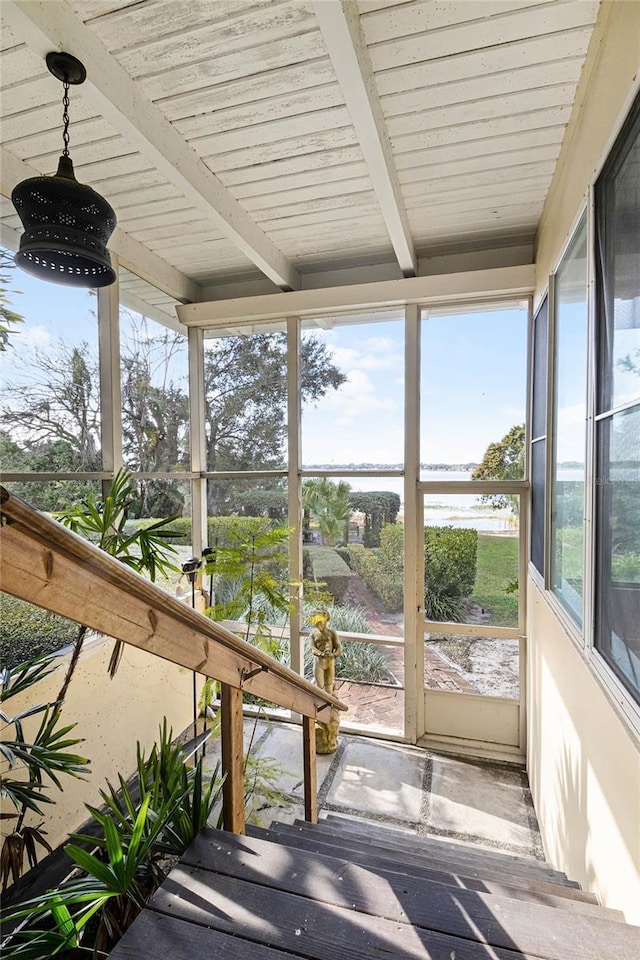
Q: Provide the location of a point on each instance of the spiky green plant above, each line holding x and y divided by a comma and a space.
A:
144, 549
144, 828
31, 764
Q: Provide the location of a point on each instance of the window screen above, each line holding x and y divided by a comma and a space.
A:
569, 426
617, 620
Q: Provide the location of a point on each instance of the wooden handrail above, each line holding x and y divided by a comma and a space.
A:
44, 563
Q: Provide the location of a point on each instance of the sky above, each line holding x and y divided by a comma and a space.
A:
473, 377
473, 389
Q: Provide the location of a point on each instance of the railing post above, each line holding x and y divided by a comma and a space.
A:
232, 759
309, 767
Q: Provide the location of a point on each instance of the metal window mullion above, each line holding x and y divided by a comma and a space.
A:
294, 492
413, 560
621, 408
197, 440
551, 443
591, 447
110, 378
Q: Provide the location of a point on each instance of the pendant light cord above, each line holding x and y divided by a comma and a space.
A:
65, 119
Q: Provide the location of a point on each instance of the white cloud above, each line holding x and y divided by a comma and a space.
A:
34, 336
354, 398
346, 358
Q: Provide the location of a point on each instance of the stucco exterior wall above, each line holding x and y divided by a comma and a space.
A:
583, 758
111, 715
584, 767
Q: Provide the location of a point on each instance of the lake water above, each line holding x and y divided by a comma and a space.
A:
447, 509
453, 509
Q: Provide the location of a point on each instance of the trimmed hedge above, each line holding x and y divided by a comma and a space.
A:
221, 531
328, 568
382, 568
27, 631
450, 559
450, 568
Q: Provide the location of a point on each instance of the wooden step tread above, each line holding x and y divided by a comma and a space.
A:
516, 887
372, 829
470, 915
306, 928
434, 851
303, 918
477, 869
154, 936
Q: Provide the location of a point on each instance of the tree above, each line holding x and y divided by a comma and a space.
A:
245, 402
59, 406
57, 403
327, 502
379, 508
503, 460
8, 317
155, 416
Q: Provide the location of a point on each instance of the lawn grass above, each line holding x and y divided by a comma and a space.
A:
497, 565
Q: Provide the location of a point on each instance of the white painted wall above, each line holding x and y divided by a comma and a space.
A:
111, 716
584, 767
584, 760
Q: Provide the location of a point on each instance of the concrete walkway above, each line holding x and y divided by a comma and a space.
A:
401, 786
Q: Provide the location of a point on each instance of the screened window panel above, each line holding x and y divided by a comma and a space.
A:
618, 269
538, 500
618, 546
539, 390
617, 520
569, 420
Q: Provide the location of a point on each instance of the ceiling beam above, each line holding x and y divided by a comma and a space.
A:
477, 286
340, 25
109, 88
131, 253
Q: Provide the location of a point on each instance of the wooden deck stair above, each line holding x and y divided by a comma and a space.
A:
346, 890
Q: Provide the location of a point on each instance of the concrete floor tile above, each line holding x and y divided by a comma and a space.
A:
480, 801
384, 781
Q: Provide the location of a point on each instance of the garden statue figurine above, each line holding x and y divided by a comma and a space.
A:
327, 733
325, 646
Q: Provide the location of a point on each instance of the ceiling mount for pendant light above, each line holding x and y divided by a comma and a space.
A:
67, 224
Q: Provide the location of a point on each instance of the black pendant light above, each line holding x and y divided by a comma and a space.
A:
67, 224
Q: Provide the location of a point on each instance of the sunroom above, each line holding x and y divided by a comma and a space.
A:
376, 287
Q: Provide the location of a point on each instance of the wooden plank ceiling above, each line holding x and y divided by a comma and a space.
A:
316, 134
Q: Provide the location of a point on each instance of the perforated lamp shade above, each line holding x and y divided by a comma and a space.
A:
67, 226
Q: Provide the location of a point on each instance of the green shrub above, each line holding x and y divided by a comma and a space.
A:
229, 531
450, 558
364, 662
382, 569
343, 552
360, 661
450, 568
27, 631
626, 568
442, 608
328, 568
346, 619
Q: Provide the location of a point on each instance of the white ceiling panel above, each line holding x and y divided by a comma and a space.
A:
226, 134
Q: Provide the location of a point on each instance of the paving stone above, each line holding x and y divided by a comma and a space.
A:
479, 801
383, 780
